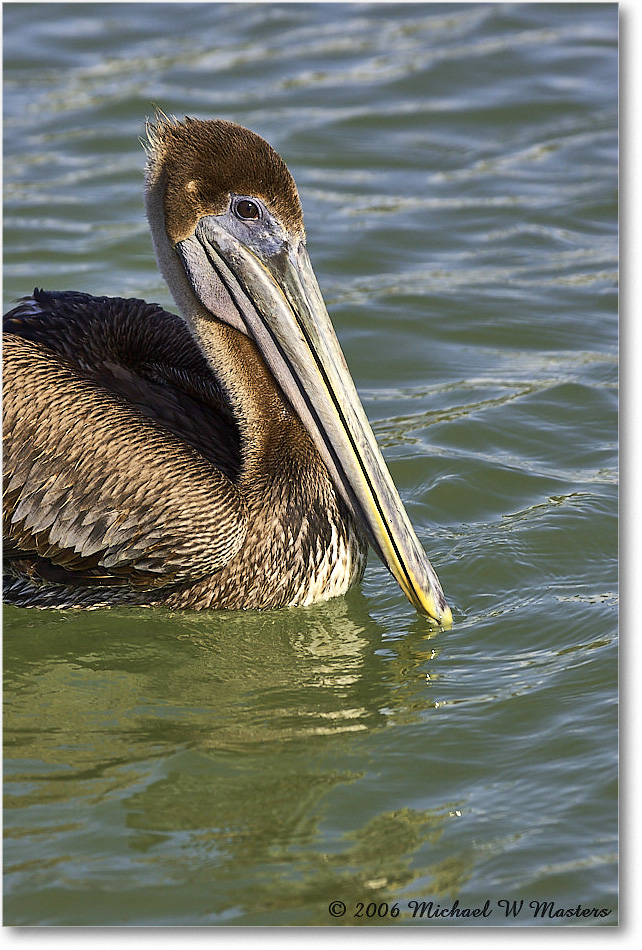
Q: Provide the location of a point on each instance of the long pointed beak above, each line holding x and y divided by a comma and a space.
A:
280, 306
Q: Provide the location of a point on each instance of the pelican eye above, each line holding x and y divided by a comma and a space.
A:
247, 210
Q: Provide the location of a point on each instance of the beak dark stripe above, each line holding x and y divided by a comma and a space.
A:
357, 453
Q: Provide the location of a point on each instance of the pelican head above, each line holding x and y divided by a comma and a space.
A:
228, 233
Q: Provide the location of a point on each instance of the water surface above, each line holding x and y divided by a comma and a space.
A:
458, 171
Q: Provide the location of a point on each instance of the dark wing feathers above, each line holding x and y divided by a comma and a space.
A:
107, 475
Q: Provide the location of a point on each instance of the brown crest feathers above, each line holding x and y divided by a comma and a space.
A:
203, 162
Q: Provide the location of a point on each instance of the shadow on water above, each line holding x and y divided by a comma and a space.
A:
208, 746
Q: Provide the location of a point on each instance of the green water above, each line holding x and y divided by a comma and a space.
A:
458, 171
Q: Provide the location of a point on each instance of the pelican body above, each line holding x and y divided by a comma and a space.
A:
216, 459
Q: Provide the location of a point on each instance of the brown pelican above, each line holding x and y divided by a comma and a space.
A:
218, 460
